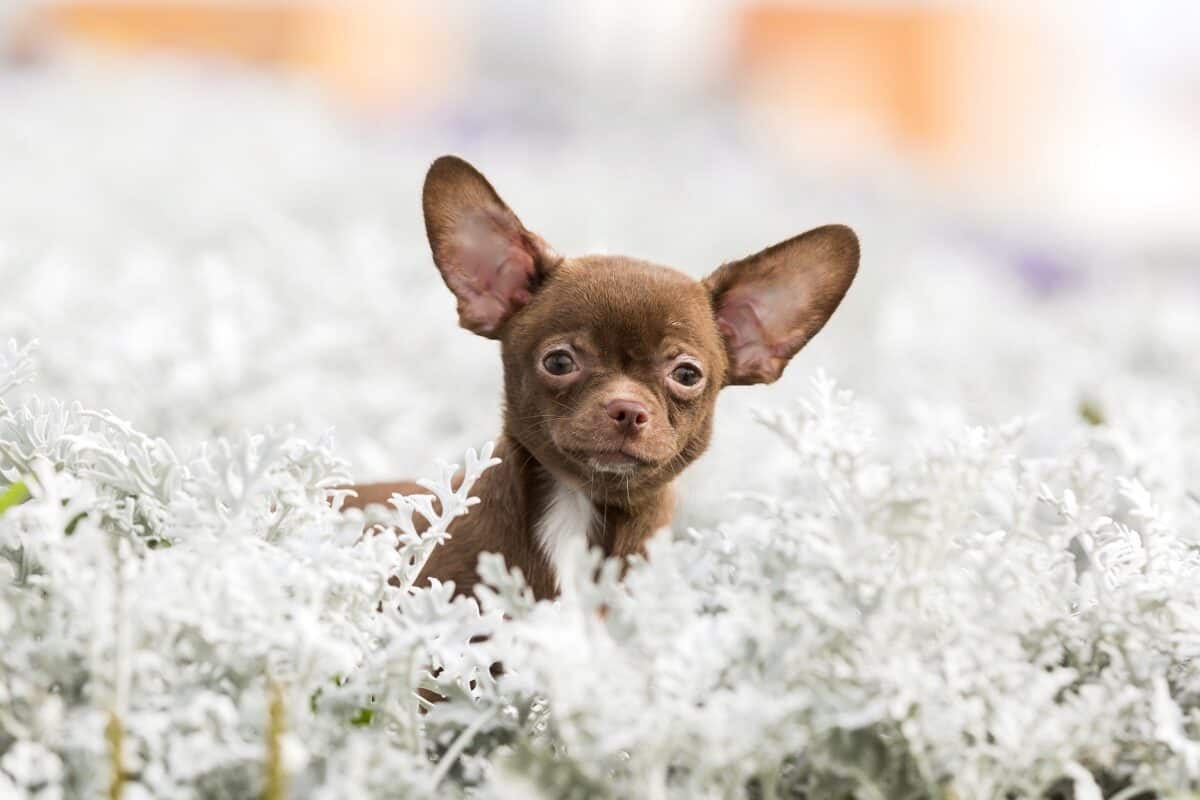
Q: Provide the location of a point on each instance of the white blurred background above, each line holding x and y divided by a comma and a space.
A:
1080, 117
210, 214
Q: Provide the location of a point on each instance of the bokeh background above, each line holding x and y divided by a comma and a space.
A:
210, 210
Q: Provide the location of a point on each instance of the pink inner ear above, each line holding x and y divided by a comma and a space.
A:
757, 353
490, 269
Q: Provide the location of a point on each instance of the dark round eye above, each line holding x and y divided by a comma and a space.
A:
686, 374
559, 362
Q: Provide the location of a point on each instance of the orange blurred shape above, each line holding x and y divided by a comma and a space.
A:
371, 53
957, 88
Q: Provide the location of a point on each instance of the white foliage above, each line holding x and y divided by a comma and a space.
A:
978, 576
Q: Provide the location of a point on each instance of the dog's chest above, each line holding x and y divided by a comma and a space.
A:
569, 517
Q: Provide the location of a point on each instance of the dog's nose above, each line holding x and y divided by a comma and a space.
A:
629, 415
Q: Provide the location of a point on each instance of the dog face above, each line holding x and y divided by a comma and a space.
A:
612, 372
612, 365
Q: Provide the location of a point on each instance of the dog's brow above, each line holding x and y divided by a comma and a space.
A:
677, 345
576, 339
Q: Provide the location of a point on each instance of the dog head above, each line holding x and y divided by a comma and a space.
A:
612, 365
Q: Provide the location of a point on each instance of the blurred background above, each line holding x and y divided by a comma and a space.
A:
211, 214
1079, 117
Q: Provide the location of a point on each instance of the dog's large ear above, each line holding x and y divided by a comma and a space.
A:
487, 258
769, 305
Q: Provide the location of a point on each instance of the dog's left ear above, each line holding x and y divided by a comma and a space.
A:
769, 305
487, 258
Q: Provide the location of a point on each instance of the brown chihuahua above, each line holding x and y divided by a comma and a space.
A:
611, 371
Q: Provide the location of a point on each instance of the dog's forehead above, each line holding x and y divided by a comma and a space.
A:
627, 296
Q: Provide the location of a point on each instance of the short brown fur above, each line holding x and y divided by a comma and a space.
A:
612, 368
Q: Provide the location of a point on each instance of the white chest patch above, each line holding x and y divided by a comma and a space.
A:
568, 520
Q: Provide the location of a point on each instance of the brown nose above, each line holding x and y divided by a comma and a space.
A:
630, 416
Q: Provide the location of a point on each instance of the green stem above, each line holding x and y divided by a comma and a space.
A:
276, 783
115, 737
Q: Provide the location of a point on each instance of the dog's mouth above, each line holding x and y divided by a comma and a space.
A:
615, 462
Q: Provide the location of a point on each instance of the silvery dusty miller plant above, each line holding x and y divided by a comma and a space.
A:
961, 621
974, 578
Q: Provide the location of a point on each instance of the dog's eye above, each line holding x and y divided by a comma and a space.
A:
686, 375
559, 362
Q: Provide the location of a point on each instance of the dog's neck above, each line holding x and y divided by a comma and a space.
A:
551, 513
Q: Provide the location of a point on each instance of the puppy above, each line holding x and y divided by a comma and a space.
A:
612, 367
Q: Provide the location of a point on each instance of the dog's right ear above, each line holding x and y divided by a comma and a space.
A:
487, 258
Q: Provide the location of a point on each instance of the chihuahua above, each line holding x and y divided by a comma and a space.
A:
612, 367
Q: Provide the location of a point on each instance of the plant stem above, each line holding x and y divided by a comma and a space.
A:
115, 737
455, 750
276, 783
